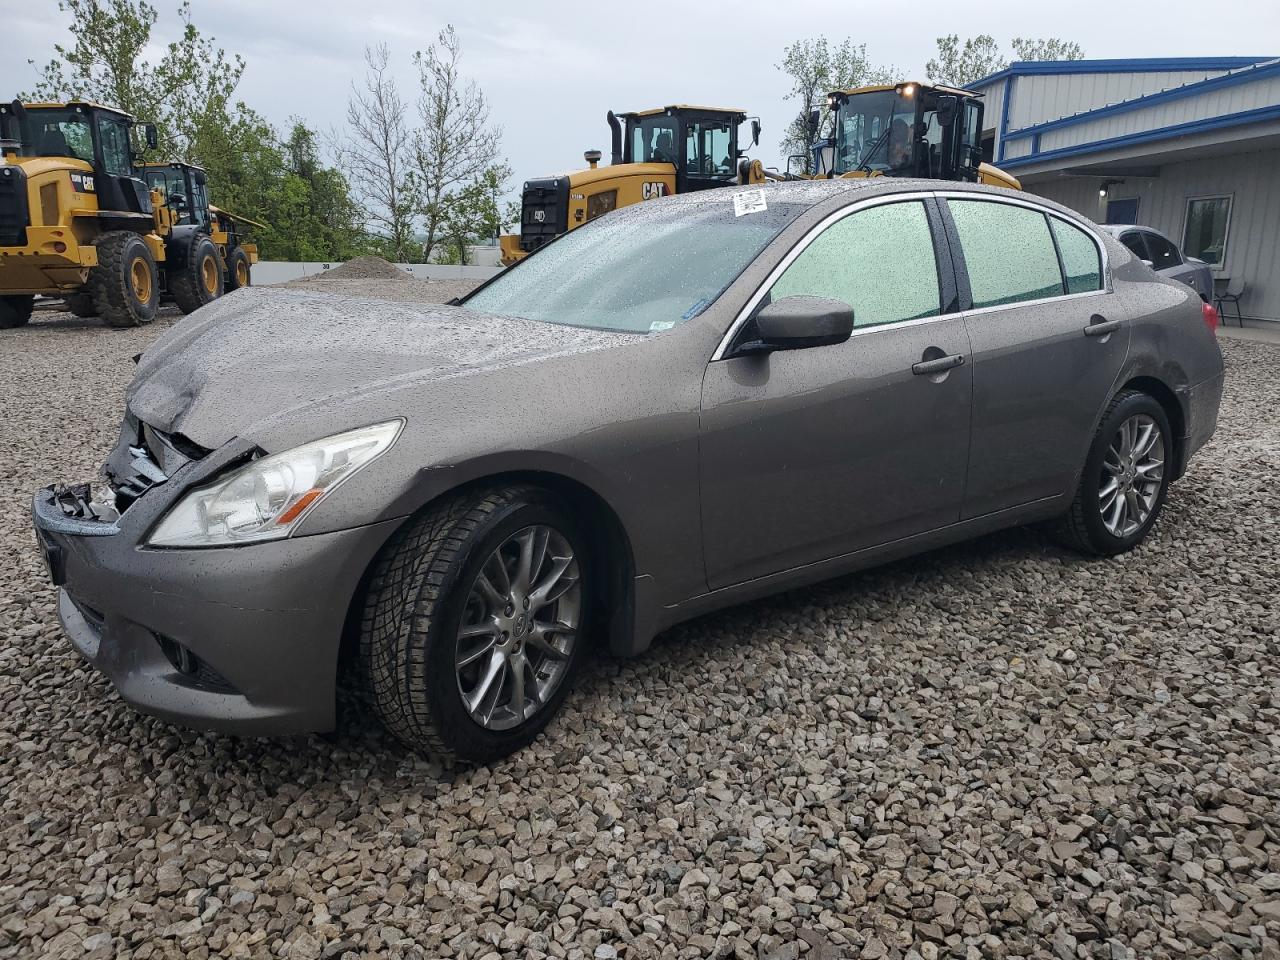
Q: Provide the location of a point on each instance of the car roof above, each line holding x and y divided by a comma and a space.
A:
1116, 229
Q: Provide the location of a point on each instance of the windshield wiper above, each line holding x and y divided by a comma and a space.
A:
866, 161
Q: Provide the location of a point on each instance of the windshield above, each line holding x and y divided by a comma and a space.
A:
59, 132
639, 270
873, 133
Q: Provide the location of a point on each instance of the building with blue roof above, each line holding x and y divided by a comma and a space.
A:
1188, 145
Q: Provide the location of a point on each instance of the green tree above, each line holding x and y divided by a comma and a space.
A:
1049, 49
472, 214
962, 65
187, 88
816, 68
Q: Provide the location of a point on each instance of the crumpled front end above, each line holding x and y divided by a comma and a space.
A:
240, 639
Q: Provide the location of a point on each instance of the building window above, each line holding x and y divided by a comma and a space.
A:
1205, 236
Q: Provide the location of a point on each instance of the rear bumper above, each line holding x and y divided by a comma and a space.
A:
1201, 403
260, 624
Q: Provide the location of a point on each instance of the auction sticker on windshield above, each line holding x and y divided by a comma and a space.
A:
752, 202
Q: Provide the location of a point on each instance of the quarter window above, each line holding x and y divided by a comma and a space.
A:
1133, 241
1008, 250
1205, 236
880, 261
1081, 262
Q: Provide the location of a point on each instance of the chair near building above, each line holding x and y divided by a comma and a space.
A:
1224, 292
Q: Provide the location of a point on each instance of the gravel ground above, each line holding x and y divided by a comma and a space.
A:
995, 750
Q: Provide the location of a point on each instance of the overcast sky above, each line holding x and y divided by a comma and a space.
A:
552, 68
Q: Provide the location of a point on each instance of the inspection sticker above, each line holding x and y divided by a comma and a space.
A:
752, 202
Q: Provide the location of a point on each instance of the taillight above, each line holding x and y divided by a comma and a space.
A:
1210, 314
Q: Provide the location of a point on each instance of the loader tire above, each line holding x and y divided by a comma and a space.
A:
15, 311
238, 272
81, 304
197, 279
125, 284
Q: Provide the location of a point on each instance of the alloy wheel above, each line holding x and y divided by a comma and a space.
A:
518, 628
1132, 475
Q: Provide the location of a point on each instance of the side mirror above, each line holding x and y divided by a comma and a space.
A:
178, 201
151, 136
755, 132
794, 323
1148, 263
948, 109
201, 177
815, 120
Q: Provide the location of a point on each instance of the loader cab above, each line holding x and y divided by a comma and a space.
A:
183, 188
95, 134
904, 130
700, 142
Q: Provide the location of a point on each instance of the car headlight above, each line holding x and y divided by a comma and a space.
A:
267, 498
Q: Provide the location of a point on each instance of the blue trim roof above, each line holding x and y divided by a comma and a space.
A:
1139, 65
1259, 115
1138, 103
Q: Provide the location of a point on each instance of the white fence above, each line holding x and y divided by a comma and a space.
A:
278, 271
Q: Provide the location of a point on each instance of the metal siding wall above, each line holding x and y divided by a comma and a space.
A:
1041, 98
1253, 237
1215, 103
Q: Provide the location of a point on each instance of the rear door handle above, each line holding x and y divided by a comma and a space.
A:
1099, 326
926, 367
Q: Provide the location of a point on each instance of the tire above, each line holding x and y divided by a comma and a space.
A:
81, 304
239, 273
15, 310
197, 279
125, 284
425, 586
1087, 526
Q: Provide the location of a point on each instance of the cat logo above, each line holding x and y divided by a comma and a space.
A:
652, 191
82, 183
539, 216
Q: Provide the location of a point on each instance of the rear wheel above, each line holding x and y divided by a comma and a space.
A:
15, 311
238, 272
1125, 479
473, 626
125, 284
81, 304
198, 280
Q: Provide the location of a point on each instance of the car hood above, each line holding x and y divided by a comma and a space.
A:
262, 356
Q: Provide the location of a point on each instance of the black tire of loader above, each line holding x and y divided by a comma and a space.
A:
114, 294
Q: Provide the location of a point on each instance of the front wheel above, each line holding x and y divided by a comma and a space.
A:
238, 270
196, 278
1125, 479
16, 310
124, 284
474, 623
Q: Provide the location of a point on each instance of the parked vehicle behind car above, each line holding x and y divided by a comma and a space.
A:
677, 407
1163, 256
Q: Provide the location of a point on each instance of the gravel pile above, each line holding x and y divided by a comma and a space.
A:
410, 290
997, 750
362, 268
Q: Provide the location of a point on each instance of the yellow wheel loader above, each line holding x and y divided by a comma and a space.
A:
78, 220
182, 187
907, 129
655, 153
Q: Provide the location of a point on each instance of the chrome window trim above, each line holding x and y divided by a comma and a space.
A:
836, 215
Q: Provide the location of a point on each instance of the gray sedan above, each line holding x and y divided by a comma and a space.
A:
680, 406
1163, 256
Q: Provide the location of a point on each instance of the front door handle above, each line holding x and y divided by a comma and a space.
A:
1100, 326
925, 368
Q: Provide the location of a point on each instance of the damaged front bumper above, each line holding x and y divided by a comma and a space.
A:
240, 639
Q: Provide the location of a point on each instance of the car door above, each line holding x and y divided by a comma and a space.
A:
1048, 341
809, 454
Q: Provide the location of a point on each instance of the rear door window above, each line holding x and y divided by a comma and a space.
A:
1162, 252
1136, 245
1008, 250
880, 261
